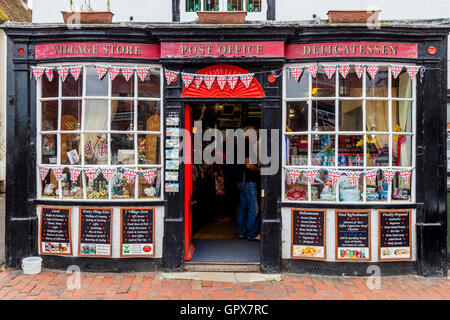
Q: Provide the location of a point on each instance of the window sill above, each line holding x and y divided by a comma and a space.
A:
102, 203
340, 205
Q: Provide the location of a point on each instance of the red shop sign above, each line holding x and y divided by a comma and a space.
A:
219, 49
351, 49
97, 49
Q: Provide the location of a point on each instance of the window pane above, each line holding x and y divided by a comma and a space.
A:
192, 5
71, 115
121, 189
50, 88
351, 86
377, 191
235, 5
351, 151
72, 88
377, 115
297, 150
350, 115
149, 118
149, 149
122, 148
95, 86
349, 192
49, 115
122, 115
322, 86
49, 149
402, 116
401, 87
323, 150
254, 5
322, 189
95, 148
96, 115
298, 190
401, 190
98, 188
323, 115
377, 150
151, 87
70, 149
378, 87
211, 5
71, 189
297, 89
401, 150
149, 191
297, 116
121, 87
50, 186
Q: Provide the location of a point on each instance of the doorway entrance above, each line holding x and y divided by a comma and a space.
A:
212, 209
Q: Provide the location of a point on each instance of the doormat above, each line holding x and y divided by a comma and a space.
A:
226, 250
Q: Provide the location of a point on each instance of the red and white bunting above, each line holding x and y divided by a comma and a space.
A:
101, 71
311, 174
360, 69
405, 174
232, 81
388, 175
49, 74
247, 79
74, 173
38, 72
89, 149
149, 175
187, 79
334, 176
371, 175
312, 69
142, 73
171, 76
63, 72
221, 81
114, 72
43, 171
130, 174
90, 173
344, 69
329, 69
198, 81
372, 70
102, 149
353, 176
412, 71
293, 174
127, 73
75, 71
57, 172
209, 80
296, 72
107, 173
396, 69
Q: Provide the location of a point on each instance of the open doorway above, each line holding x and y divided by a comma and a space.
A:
215, 195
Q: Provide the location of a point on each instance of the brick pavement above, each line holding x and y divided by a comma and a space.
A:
52, 285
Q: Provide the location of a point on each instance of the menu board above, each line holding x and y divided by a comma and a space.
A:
308, 234
55, 231
353, 235
137, 235
95, 232
394, 234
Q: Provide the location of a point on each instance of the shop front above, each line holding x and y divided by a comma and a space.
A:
110, 128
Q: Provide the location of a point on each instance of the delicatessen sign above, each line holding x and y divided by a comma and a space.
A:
308, 234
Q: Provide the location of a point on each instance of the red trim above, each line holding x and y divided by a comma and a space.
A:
188, 246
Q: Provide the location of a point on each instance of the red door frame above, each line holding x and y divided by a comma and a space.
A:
188, 246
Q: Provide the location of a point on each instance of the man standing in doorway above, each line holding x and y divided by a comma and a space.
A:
247, 219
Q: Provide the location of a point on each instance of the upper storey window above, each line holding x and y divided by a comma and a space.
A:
223, 5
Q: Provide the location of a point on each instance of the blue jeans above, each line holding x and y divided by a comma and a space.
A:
247, 219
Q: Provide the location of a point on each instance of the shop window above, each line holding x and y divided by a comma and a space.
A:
192, 5
95, 125
357, 132
211, 5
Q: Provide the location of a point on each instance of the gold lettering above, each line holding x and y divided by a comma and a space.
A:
393, 50
95, 49
201, 50
250, 47
129, 50
193, 50
208, 50
377, 49
105, 50
336, 49
259, 49
183, 50
55, 49
120, 50
385, 49
137, 50
347, 49
222, 49
306, 50
362, 49
316, 50
369, 49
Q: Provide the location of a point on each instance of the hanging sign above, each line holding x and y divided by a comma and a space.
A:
219, 49
97, 49
55, 231
351, 49
353, 235
308, 234
394, 235
95, 232
137, 232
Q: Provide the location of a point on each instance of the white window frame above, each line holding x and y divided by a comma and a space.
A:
110, 98
336, 133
